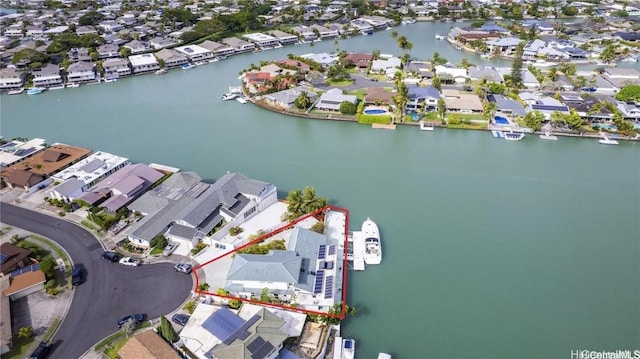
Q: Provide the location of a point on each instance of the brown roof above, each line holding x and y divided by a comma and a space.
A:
12, 255
24, 281
22, 178
377, 94
147, 345
361, 60
49, 161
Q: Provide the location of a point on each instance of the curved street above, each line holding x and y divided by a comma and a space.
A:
109, 291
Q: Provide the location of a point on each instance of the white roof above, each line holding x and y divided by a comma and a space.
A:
258, 36
194, 336
141, 60
57, 29
294, 322
191, 50
91, 168
16, 150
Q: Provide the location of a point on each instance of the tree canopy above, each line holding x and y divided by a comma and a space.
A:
64, 42
629, 93
90, 18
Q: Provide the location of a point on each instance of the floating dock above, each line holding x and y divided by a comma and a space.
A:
383, 126
357, 241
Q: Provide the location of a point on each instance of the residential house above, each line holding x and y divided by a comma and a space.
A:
361, 27
361, 60
29, 280
455, 101
422, 98
421, 69
35, 31
495, 28
602, 86
15, 151
305, 33
78, 54
162, 42
108, 51
377, 22
528, 80
543, 104
239, 45
147, 345
47, 76
585, 107
378, 96
11, 79
323, 58
13, 31
626, 36
286, 98
114, 39
530, 50
138, 47
388, 66
458, 74
490, 74
576, 53
116, 67
81, 72
283, 37
505, 45
218, 49
85, 30
506, 106
300, 66
14, 258
110, 26
331, 100
324, 32
143, 64
630, 111
171, 58
195, 53
122, 187
275, 70
263, 41
255, 81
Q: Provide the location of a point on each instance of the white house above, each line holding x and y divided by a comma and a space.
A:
116, 67
262, 40
306, 33
171, 58
11, 79
218, 49
144, 63
458, 74
81, 72
283, 37
195, 53
331, 100
47, 76
238, 44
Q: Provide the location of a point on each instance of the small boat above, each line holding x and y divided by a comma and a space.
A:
242, 100
215, 59
388, 28
221, 57
200, 63
548, 136
457, 47
59, 87
348, 348
16, 91
229, 96
440, 37
372, 245
606, 140
513, 136
111, 79
35, 90
73, 85
426, 127
543, 63
188, 66
162, 71
384, 356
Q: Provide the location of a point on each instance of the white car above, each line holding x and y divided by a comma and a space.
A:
169, 249
130, 262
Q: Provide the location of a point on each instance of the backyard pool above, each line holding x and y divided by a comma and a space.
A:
375, 110
413, 115
501, 120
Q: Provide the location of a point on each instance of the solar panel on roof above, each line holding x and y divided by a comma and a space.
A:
223, 324
328, 287
318, 284
321, 251
260, 348
3, 257
332, 250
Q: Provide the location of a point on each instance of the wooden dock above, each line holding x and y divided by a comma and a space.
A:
358, 250
384, 127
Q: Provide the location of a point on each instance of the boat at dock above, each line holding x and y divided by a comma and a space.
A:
384, 356
242, 100
606, 140
548, 136
16, 91
35, 90
372, 245
73, 85
348, 349
426, 127
513, 136
233, 93
59, 87
188, 66
440, 37
162, 71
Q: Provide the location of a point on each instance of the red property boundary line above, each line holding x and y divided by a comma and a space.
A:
285, 227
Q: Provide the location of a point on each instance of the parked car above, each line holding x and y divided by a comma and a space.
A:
183, 267
137, 318
130, 262
181, 319
110, 256
169, 249
41, 351
76, 276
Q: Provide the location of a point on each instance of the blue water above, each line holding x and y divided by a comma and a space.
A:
606, 126
375, 111
413, 115
501, 120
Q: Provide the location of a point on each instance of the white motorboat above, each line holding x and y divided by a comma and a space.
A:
35, 90
426, 127
548, 136
229, 96
59, 87
162, 71
188, 66
72, 85
348, 348
543, 63
440, 37
513, 136
372, 245
16, 91
606, 140
384, 356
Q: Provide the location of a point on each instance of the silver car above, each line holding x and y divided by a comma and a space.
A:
169, 249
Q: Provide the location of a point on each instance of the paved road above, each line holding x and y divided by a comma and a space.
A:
110, 291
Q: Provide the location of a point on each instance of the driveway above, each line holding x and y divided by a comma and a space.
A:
109, 292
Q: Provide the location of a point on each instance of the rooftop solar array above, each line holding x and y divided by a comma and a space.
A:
318, 285
328, 287
332, 250
31, 268
3, 257
549, 107
322, 251
223, 324
260, 348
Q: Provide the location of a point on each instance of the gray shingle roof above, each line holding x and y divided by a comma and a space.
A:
276, 266
69, 187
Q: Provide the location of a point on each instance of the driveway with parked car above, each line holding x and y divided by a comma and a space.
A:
108, 291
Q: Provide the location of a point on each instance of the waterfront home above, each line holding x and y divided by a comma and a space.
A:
122, 187
543, 104
630, 111
528, 80
300, 66
81, 72
378, 96
323, 59
84, 174
239, 45
489, 74
455, 101
137, 46
195, 53
47, 76
86, 30
108, 51
283, 37
218, 49
260, 333
274, 70
324, 32
377, 22
11, 79
116, 67
262, 40
361, 26
15, 151
286, 98
506, 106
541, 27
495, 28
147, 344
184, 200
621, 73
530, 50
256, 81
458, 74
504, 46
143, 64
388, 66
171, 58
13, 31
331, 100
422, 98
361, 60
305, 33
585, 107
76, 54
162, 42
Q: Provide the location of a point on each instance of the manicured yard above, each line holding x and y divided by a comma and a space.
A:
112, 350
470, 116
156, 251
20, 349
432, 116
360, 93
340, 83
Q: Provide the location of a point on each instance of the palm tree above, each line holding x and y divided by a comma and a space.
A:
553, 74
303, 101
294, 204
442, 109
401, 99
394, 34
404, 59
310, 200
404, 44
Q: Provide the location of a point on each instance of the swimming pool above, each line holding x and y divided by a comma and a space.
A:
501, 120
375, 111
413, 115
606, 126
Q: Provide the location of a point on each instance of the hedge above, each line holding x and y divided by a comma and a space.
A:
369, 119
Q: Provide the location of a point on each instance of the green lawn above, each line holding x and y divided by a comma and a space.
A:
360, 93
432, 116
470, 116
340, 83
20, 349
112, 350
156, 251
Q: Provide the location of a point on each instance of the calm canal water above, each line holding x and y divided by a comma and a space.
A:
491, 249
